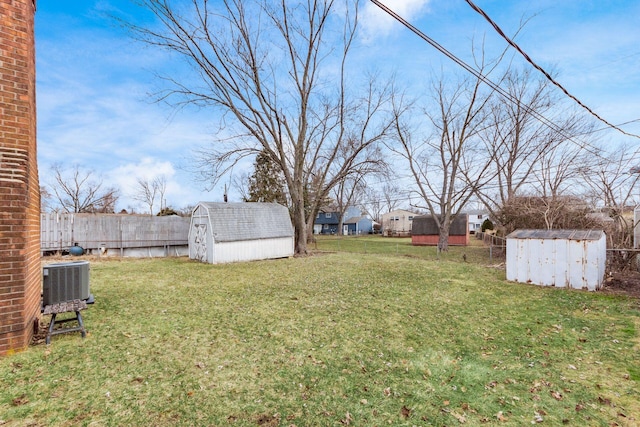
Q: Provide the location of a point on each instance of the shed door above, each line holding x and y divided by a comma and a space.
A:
200, 242
345, 230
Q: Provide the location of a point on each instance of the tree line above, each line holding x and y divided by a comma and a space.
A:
75, 189
280, 75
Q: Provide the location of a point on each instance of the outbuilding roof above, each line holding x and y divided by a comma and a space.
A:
247, 221
425, 225
557, 234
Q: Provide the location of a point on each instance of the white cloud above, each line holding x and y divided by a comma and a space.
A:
378, 23
126, 178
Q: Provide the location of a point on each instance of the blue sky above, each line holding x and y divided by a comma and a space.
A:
94, 81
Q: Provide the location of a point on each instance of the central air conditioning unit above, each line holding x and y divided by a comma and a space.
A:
65, 281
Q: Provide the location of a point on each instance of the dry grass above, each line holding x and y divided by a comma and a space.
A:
338, 339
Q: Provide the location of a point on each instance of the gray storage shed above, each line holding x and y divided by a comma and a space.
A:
230, 232
562, 258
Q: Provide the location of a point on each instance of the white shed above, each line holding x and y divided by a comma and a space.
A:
562, 258
229, 232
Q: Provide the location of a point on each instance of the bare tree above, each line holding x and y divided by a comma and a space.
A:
107, 203
77, 190
149, 190
186, 210
46, 199
240, 182
446, 166
346, 194
260, 63
391, 194
161, 184
558, 170
546, 213
554, 195
521, 140
614, 178
372, 203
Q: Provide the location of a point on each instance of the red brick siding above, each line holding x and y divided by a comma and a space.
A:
432, 240
20, 270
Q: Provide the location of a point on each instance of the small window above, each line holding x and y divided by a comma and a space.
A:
318, 216
410, 218
479, 216
325, 226
327, 215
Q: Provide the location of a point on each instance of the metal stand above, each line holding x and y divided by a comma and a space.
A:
54, 322
65, 307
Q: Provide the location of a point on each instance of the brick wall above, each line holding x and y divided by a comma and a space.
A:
20, 270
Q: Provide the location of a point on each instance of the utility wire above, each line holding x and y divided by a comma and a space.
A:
501, 91
542, 70
484, 78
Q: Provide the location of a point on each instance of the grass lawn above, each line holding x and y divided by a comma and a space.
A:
335, 339
475, 252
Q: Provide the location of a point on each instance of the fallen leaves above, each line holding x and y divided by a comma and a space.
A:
556, 394
461, 418
347, 419
605, 401
21, 400
405, 412
491, 385
268, 420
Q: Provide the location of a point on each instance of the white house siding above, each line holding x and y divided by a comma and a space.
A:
398, 222
561, 258
476, 218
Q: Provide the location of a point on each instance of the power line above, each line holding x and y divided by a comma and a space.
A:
542, 70
584, 145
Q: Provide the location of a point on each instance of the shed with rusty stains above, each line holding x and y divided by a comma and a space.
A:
561, 258
231, 232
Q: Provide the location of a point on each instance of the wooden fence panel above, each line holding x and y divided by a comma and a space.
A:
111, 231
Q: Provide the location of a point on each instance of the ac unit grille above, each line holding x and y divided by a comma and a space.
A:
65, 281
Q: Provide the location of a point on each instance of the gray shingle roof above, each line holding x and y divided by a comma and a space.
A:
248, 221
557, 234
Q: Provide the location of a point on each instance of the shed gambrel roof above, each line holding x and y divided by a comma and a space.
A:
232, 222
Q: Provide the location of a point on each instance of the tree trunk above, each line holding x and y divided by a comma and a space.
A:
300, 227
443, 234
443, 240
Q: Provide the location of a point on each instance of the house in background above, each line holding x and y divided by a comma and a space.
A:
476, 218
358, 225
327, 221
397, 223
